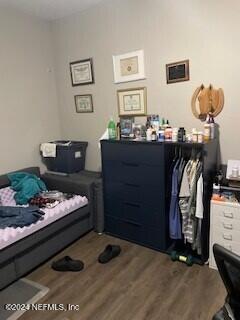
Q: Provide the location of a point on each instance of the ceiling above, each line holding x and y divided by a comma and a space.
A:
49, 9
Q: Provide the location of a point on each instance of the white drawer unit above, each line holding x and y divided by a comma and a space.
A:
224, 228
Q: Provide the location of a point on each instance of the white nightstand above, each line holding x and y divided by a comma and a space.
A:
224, 227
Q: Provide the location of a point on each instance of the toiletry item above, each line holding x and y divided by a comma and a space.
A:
181, 135
161, 136
118, 131
189, 137
207, 132
149, 134
194, 135
175, 134
212, 127
112, 133
235, 172
168, 134
200, 137
154, 135
161, 124
216, 188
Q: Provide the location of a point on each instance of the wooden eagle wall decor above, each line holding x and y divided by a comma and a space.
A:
210, 100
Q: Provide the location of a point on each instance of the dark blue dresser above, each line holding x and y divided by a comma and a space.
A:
136, 194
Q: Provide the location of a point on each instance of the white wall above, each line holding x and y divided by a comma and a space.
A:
28, 100
206, 32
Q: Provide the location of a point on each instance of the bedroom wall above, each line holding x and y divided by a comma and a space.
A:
205, 32
28, 100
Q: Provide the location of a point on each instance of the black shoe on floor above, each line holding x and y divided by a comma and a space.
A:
67, 264
110, 252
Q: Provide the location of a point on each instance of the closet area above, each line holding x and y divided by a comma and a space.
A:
149, 185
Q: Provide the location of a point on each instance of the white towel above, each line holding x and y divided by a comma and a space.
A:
105, 136
49, 149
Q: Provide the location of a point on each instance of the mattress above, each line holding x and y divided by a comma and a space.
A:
10, 235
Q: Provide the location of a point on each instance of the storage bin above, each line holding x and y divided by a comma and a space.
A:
70, 157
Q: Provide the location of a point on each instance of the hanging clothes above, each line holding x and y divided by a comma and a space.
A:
174, 213
184, 196
188, 203
199, 213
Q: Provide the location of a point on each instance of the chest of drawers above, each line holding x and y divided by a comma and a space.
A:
134, 193
224, 227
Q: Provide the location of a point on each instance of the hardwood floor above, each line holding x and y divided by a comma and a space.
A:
140, 284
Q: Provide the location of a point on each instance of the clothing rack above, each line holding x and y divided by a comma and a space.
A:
207, 154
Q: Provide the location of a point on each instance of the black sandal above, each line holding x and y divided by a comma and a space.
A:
67, 264
110, 252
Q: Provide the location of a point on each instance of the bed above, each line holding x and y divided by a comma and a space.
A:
25, 249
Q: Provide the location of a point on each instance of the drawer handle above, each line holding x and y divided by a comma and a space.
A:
130, 164
130, 204
227, 236
228, 226
132, 223
132, 185
228, 214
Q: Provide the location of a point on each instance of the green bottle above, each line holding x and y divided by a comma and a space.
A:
112, 134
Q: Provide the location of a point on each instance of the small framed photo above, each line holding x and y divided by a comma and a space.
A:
177, 71
129, 66
82, 72
126, 126
83, 103
132, 102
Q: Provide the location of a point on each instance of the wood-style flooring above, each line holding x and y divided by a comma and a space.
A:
140, 284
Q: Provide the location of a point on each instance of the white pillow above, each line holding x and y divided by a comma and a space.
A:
7, 197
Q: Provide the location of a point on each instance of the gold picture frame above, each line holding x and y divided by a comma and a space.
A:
132, 102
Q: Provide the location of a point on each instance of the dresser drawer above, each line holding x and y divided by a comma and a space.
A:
231, 246
136, 153
134, 173
225, 223
226, 236
229, 212
140, 213
125, 229
138, 193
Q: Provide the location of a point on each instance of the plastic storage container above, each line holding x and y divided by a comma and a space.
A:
70, 157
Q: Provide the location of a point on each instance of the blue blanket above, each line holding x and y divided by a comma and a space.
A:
19, 216
26, 186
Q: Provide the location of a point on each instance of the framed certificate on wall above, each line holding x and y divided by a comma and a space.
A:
132, 102
177, 71
129, 66
83, 103
82, 72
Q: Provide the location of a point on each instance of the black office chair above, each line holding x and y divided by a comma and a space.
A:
228, 265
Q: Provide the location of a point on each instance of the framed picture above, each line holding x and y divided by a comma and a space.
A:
82, 72
126, 126
83, 103
177, 71
132, 102
129, 66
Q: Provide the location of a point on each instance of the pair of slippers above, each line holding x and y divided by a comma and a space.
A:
68, 264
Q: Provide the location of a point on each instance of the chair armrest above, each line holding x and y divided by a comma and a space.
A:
65, 184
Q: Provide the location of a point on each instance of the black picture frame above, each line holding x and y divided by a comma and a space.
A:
83, 103
82, 72
177, 71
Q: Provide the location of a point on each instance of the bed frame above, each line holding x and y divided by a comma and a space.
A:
26, 254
